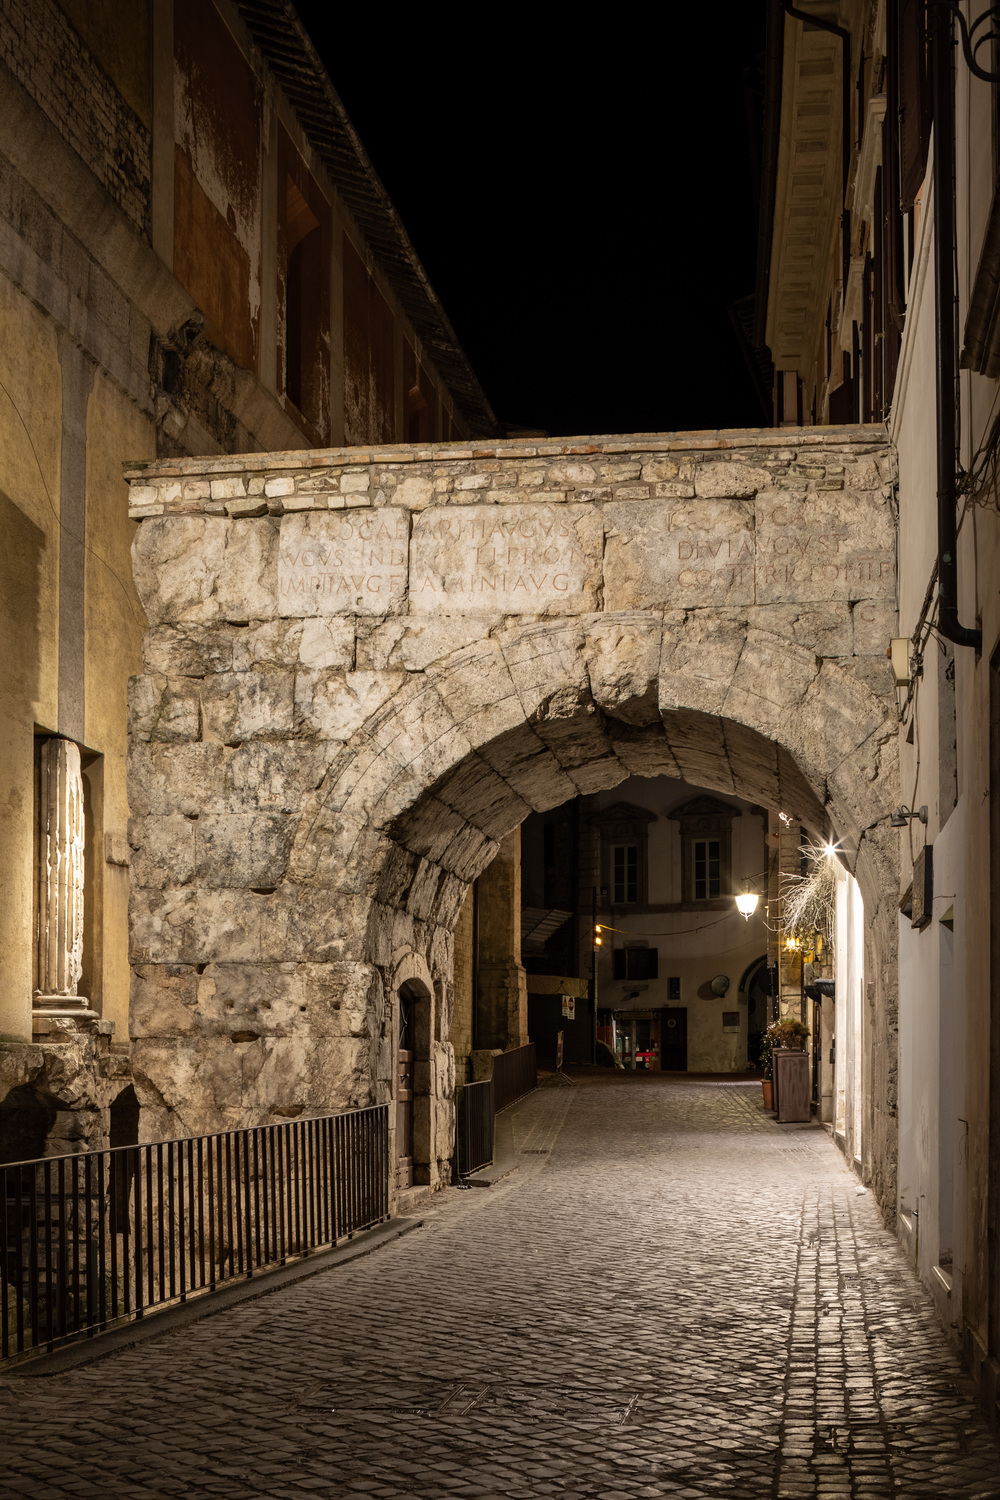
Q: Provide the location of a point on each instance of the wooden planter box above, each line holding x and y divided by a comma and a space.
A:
792, 1093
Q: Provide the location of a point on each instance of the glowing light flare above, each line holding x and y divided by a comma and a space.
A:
746, 904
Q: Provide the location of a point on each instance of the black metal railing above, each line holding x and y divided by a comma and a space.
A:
474, 1127
515, 1074
106, 1236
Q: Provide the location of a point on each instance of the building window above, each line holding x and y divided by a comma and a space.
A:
636, 963
625, 874
706, 845
707, 855
624, 829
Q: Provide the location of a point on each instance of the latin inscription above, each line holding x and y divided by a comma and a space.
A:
342, 563
735, 553
517, 559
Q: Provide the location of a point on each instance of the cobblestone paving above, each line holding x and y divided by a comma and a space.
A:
673, 1296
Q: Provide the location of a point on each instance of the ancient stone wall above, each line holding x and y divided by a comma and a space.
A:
365, 667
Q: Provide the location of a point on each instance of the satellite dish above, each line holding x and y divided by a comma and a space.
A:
720, 984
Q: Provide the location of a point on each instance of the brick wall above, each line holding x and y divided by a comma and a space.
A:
53, 64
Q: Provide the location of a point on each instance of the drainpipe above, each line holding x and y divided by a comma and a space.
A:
941, 37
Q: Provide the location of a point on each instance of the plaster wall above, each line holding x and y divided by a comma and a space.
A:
693, 946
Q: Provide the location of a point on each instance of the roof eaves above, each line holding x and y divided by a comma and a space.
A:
295, 63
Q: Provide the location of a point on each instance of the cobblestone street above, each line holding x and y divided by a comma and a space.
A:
672, 1295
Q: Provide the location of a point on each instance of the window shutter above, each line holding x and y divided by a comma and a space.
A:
618, 957
914, 113
654, 962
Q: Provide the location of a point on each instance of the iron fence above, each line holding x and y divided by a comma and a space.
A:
105, 1236
474, 1127
515, 1074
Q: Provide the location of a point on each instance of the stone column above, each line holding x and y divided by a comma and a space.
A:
59, 959
502, 994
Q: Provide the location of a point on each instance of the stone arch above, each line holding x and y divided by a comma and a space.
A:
414, 807
320, 768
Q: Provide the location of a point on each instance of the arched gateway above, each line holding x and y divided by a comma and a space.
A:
365, 667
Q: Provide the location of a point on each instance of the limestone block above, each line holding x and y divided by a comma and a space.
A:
522, 760
697, 662
414, 642
824, 546
199, 569
769, 686
162, 1000
476, 687
238, 706
355, 484
416, 492
188, 650
733, 479
242, 849
335, 705
318, 642
754, 764
164, 851
530, 559
249, 506
547, 667
685, 554
188, 925
187, 1085
642, 751
476, 792
207, 776
622, 655
875, 624
825, 629
570, 474
163, 709
698, 744
333, 563
844, 711
314, 923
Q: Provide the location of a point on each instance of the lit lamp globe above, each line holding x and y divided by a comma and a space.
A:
746, 904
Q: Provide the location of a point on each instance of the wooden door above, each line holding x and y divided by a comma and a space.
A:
404, 1095
673, 1039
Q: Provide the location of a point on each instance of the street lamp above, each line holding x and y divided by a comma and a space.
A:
746, 903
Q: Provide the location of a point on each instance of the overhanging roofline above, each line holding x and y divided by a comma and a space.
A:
279, 33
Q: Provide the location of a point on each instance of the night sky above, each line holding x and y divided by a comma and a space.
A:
581, 196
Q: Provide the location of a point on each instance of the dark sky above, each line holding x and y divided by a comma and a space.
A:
580, 193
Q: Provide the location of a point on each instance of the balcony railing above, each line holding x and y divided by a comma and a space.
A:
107, 1236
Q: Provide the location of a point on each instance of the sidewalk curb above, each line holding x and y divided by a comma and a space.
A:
171, 1318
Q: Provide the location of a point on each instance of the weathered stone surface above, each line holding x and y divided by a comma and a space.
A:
525, 559
681, 554
337, 564
203, 568
738, 480
328, 745
837, 545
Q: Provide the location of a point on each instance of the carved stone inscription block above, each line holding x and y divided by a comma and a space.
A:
351, 562
511, 559
781, 548
829, 545
679, 555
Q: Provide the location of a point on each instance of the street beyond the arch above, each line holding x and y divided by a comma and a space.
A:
670, 1294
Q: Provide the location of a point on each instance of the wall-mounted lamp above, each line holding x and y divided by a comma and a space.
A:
902, 816
746, 904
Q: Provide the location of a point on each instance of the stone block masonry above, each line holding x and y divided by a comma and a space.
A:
50, 60
364, 667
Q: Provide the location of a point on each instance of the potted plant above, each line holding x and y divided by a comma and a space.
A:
790, 1034
764, 1057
